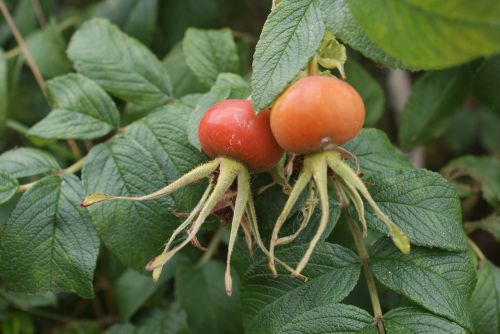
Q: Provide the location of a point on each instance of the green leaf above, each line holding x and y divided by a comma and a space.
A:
375, 152
291, 36
200, 291
134, 231
48, 49
485, 82
489, 136
484, 172
369, 89
25, 301
82, 110
163, 135
121, 65
171, 321
121, 329
8, 186
271, 303
209, 53
334, 318
183, 79
414, 320
422, 204
463, 130
24, 17
338, 18
133, 289
227, 86
437, 280
25, 161
4, 90
431, 34
135, 17
430, 107
49, 243
484, 305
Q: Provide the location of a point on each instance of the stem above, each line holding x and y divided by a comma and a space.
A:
212, 248
39, 13
370, 280
312, 67
479, 253
16, 126
67, 23
70, 170
74, 147
22, 45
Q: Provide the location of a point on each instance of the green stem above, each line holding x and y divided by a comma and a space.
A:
479, 253
16, 126
370, 280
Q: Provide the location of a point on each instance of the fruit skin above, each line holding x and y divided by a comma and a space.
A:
231, 128
316, 113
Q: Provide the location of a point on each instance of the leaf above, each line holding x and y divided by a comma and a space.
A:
135, 17
414, 320
437, 280
48, 243
82, 110
200, 291
163, 135
171, 321
338, 18
25, 301
24, 17
484, 171
422, 204
209, 53
463, 130
484, 305
4, 90
271, 303
375, 152
430, 107
121, 329
485, 81
489, 136
290, 37
25, 161
183, 79
132, 289
333, 318
369, 89
227, 86
423, 33
121, 65
134, 231
8, 186
48, 49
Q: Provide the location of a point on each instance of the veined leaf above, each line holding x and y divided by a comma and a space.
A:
332, 319
26, 161
422, 204
414, 320
375, 152
209, 53
121, 65
49, 243
437, 280
484, 303
290, 37
8, 186
133, 231
271, 303
82, 110
431, 34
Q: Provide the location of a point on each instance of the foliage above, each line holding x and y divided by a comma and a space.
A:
127, 84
